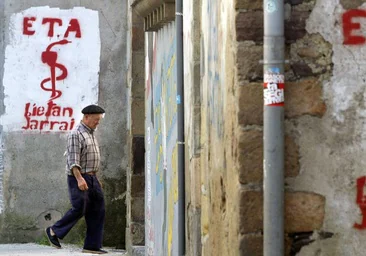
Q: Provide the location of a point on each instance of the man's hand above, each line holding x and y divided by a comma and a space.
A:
82, 184
81, 181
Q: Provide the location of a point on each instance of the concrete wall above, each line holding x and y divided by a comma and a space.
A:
135, 199
161, 191
33, 177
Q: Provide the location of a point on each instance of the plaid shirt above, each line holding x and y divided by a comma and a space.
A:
82, 150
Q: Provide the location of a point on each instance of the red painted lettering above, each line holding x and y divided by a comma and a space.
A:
349, 27
27, 24
69, 110
52, 22
34, 122
40, 111
361, 201
73, 27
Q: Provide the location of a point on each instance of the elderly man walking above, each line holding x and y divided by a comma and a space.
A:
86, 194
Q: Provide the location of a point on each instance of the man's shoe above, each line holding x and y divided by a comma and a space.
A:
52, 239
94, 251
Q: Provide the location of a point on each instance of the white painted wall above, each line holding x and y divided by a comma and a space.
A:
25, 69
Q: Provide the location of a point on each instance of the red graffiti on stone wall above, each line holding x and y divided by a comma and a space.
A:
361, 201
50, 58
350, 27
74, 26
38, 117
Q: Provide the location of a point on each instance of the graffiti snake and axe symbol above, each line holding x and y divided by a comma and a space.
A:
49, 57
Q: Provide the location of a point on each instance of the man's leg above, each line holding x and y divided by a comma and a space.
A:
78, 201
94, 216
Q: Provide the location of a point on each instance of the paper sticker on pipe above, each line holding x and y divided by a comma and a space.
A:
270, 6
274, 86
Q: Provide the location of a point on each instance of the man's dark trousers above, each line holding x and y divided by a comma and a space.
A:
89, 203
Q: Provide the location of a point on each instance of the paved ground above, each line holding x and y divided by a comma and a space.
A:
41, 250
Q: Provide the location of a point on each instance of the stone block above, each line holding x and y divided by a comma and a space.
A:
248, 59
250, 104
301, 69
311, 56
137, 233
249, 26
304, 97
138, 76
138, 209
251, 245
304, 211
351, 4
138, 117
249, 4
250, 212
138, 38
194, 234
295, 26
250, 157
309, 52
137, 185
136, 19
138, 152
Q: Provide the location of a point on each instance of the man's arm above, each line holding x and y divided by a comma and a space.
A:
81, 181
73, 159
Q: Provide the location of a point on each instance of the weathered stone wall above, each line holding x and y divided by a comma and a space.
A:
219, 176
192, 82
309, 67
324, 127
230, 150
135, 231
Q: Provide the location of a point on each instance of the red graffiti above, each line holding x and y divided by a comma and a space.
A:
50, 58
51, 110
349, 27
361, 201
27, 23
73, 26
51, 117
52, 22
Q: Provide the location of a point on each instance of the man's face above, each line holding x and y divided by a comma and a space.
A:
93, 120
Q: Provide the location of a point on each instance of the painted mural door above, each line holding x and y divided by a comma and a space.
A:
161, 206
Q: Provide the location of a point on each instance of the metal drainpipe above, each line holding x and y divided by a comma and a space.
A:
273, 140
180, 142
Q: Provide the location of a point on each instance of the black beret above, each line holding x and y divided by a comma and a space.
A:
92, 109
